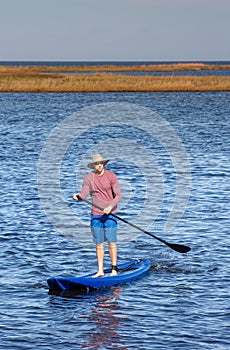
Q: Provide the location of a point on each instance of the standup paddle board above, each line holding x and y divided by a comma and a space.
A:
127, 272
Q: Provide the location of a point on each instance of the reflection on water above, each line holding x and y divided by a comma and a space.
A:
105, 323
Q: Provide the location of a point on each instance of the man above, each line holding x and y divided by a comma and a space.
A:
104, 189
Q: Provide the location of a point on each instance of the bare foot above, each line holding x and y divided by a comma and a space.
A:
113, 273
99, 274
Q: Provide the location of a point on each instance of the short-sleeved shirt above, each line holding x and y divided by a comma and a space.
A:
104, 190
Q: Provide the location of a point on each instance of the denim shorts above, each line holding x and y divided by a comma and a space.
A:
103, 228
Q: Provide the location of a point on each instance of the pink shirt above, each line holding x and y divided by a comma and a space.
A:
104, 190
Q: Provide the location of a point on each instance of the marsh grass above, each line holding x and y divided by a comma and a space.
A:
52, 79
113, 68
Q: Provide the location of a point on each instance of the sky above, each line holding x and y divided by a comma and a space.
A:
114, 30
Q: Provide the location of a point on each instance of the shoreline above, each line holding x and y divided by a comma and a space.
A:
102, 79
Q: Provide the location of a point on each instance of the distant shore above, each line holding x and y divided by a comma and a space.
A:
102, 79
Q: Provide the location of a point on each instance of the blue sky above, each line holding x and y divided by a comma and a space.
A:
115, 30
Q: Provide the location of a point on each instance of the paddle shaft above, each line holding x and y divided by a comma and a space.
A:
177, 247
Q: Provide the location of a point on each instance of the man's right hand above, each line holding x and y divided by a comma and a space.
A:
76, 197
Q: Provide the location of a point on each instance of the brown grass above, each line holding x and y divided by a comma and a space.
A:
34, 79
112, 68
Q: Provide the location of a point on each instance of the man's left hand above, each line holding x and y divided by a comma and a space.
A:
107, 210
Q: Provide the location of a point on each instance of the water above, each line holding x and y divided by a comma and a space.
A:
184, 301
225, 72
99, 63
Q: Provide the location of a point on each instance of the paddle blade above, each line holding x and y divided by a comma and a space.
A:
178, 247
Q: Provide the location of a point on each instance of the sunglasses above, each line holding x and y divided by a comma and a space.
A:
98, 163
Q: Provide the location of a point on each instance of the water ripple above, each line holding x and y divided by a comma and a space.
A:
183, 303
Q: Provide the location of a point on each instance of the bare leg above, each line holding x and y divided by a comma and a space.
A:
113, 256
100, 259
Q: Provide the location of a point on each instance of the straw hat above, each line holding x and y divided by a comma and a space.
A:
97, 158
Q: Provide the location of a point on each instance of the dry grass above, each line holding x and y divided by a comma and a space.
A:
33, 79
112, 68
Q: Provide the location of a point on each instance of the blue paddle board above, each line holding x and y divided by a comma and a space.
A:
127, 272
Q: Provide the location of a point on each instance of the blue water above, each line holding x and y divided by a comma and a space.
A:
184, 301
214, 72
99, 63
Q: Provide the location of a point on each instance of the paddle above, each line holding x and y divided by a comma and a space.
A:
177, 247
